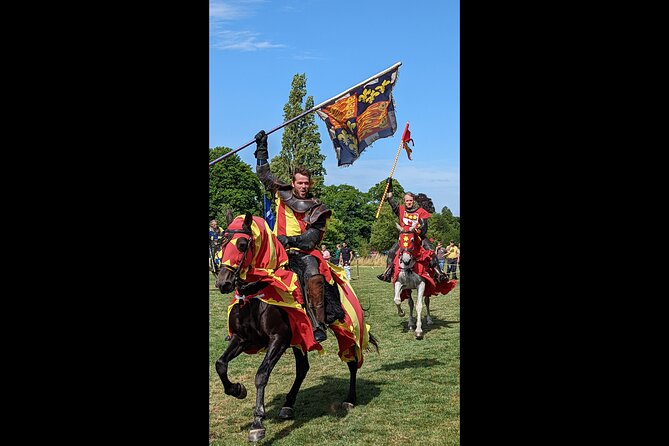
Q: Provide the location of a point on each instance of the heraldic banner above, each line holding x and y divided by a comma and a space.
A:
364, 115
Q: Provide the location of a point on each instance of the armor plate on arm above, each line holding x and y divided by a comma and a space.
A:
306, 241
268, 180
394, 206
318, 216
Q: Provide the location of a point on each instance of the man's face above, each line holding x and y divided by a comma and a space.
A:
301, 185
408, 201
214, 224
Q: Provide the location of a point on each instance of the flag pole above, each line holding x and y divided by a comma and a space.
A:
397, 155
311, 110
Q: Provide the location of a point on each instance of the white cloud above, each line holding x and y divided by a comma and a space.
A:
241, 41
221, 13
307, 55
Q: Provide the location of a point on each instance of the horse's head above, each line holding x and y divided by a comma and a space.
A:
408, 242
248, 251
236, 247
407, 261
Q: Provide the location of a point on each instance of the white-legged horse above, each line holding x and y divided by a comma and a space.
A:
407, 279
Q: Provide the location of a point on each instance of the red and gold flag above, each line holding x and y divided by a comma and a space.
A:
362, 116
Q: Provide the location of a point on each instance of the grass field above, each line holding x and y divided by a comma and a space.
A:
408, 394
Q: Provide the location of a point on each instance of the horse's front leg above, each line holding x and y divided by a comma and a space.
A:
352, 398
301, 368
398, 299
400, 312
277, 345
419, 309
427, 310
235, 347
411, 325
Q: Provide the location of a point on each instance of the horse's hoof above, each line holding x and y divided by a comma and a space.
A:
429, 321
256, 435
287, 413
347, 406
242, 392
400, 313
419, 335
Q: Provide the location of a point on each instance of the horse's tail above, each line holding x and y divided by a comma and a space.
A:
373, 341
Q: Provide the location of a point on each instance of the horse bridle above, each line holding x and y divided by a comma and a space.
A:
227, 236
403, 250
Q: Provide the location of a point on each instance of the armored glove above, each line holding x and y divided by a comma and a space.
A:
261, 146
283, 240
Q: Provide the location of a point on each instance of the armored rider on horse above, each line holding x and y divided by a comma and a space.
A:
300, 225
416, 209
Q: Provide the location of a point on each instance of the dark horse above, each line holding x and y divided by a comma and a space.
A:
252, 265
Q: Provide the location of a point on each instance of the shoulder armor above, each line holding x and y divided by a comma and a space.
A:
297, 204
318, 212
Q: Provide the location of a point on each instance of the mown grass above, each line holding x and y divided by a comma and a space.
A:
407, 394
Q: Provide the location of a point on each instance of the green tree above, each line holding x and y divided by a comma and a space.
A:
383, 232
443, 226
300, 144
376, 191
353, 207
334, 234
232, 185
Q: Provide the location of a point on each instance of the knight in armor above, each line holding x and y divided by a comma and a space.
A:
412, 210
300, 225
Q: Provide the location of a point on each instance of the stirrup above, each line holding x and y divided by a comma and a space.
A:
383, 277
320, 335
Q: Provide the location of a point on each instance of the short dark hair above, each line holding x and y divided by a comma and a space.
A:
302, 171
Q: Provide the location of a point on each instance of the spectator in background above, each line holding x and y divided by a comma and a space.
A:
441, 255
458, 256
337, 255
346, 257
452, 254
326, 253
215, 242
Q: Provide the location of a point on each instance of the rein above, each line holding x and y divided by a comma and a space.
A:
226, 239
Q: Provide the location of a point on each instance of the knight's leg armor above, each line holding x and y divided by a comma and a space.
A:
316, 292
390, 262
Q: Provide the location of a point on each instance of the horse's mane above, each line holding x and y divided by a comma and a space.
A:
425, 202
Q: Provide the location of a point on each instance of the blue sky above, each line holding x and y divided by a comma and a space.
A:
257, 46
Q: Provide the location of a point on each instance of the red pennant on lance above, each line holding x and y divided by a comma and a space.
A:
406, 137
